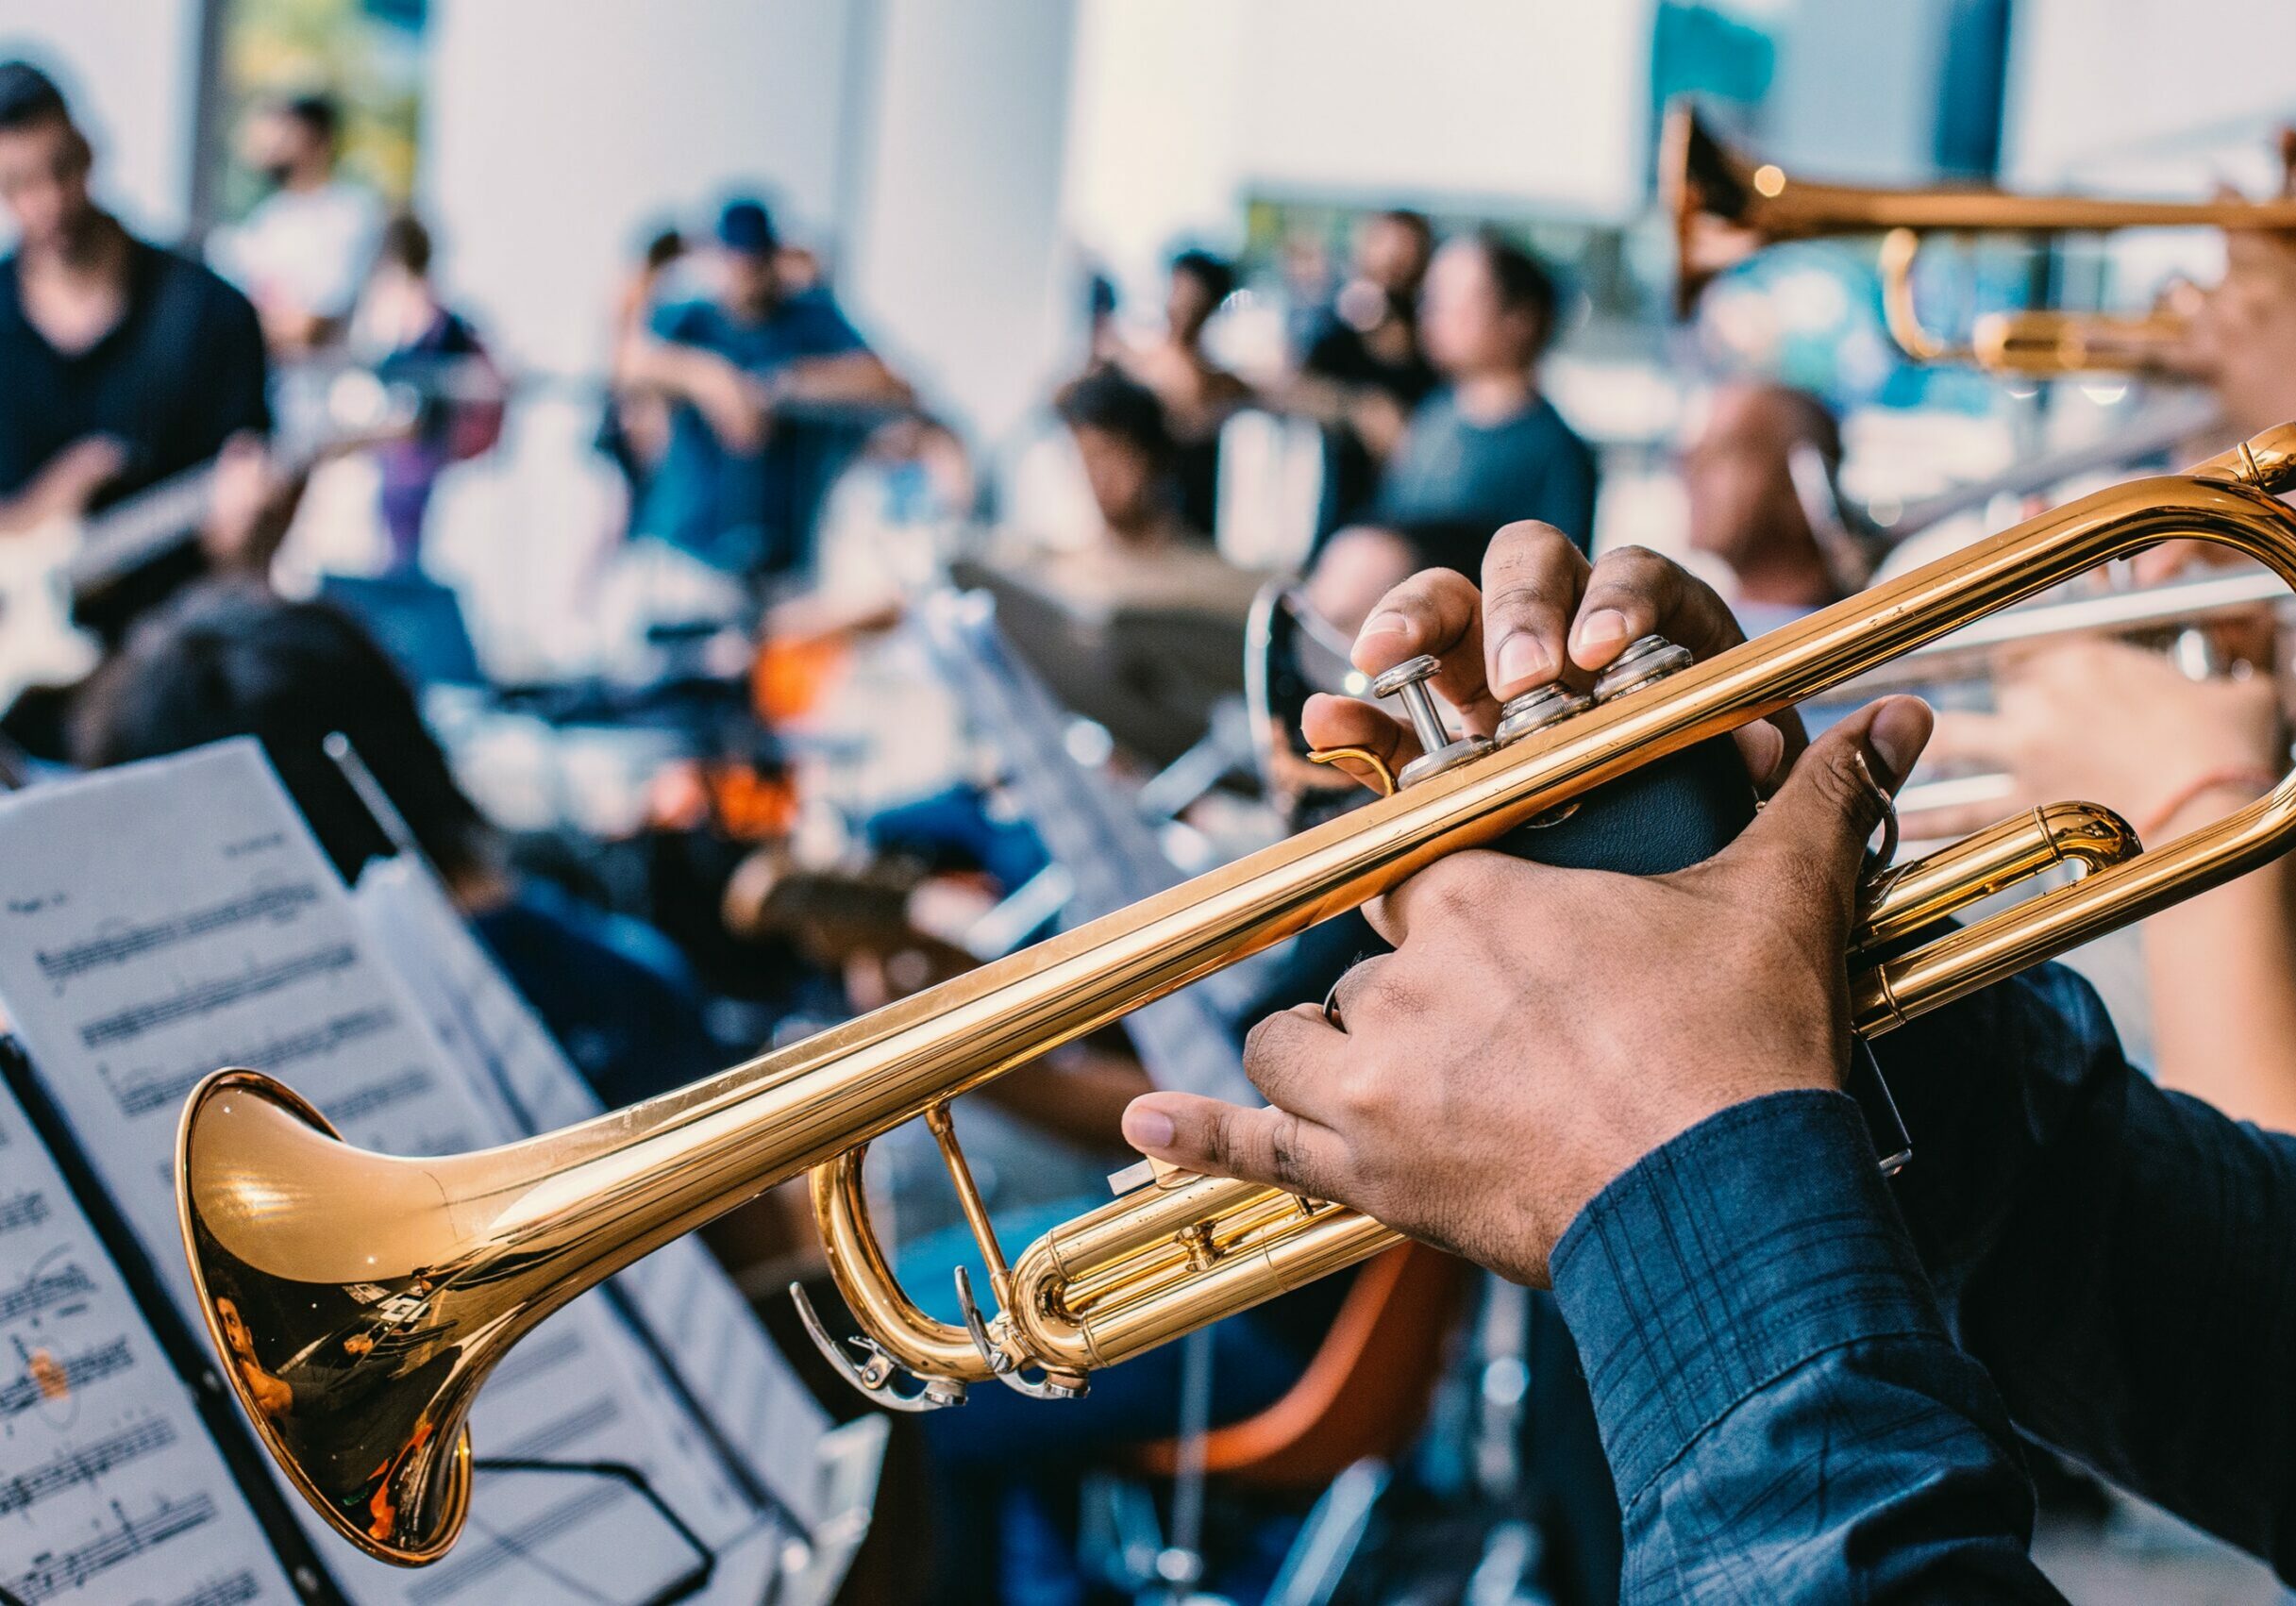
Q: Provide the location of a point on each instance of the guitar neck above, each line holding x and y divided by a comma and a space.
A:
121, 540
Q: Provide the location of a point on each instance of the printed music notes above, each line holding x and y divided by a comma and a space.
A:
110, 1488
162, 920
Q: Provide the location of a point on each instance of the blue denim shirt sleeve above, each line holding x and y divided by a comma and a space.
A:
1786, 1412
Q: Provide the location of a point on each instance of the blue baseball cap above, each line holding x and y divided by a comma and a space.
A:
744, 226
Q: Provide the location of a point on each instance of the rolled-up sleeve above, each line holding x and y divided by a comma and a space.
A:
1785, 1413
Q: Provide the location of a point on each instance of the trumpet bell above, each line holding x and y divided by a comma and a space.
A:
355, 1354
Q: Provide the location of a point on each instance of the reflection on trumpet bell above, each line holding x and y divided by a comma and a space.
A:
358, 1322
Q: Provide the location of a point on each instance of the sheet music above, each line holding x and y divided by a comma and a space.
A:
163, 919
1090, 831
766, 1414
110, 1488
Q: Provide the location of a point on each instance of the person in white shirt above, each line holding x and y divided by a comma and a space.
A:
303, 253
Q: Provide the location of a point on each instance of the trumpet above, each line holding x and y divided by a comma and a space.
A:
358, 1301
1725, 206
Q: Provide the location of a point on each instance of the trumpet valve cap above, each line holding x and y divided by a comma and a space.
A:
1537, 709
1646, 659
1408, 672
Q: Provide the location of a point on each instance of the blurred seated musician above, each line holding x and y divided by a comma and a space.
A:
1489, 447
1806, 1377
736, 368
1199, 395
125, 364
1764, 452
228, 659
1147, 554
1366, 368
412, 337
2172, 755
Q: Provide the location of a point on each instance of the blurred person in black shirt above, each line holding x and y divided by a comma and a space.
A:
1365, 370
1489, 447
122, 365
1199, 395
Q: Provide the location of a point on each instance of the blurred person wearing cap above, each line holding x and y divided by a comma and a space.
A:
303, 253
1489, 446
732, 365
125, 364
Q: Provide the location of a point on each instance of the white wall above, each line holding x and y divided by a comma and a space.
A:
2120, 91
958, 269
557, 130
1185, 107
130, 68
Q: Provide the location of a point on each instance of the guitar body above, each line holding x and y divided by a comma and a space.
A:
40, 645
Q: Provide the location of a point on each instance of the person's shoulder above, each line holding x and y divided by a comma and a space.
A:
691, 318
185, 281
814, 313
1549, 422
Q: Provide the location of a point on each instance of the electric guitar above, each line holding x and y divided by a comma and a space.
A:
47, 571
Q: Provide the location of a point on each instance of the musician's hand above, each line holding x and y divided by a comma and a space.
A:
245, 510
66, 483
2102, 722
1542, 613
1536, 1031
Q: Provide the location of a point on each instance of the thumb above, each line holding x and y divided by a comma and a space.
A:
1266, 1144
1837, 792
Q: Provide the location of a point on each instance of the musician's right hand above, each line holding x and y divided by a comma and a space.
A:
66, 483
1542, 613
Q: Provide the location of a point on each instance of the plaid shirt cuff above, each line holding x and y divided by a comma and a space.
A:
1747, 1247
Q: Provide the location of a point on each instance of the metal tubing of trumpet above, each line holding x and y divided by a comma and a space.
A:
356, 1350
2040, 343
1906, 897
1975, 648
928, 1348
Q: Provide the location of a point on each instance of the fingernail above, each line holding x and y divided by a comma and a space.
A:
1147, 1129
1603, 628
1522, 658
1387, 623
1898, 734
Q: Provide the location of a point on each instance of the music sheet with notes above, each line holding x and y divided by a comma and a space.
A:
163, 919
111, 1489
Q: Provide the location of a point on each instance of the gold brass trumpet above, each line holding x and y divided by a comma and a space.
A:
358, 1301
1725, 206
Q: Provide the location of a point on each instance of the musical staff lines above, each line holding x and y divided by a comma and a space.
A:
54, 1572
43, 1289
264, 904
84, 1463
76, 1372
204, 999
278, 1054
233, 1590
23, 1210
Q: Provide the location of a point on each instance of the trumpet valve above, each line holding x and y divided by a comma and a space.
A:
1647, 659
1537, 709
1438, 750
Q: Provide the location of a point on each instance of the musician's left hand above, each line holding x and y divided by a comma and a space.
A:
1542, 613
1538, 1030
247, 513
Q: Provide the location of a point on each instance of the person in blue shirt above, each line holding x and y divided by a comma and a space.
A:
1806, 1377
1488, 447
741, 367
